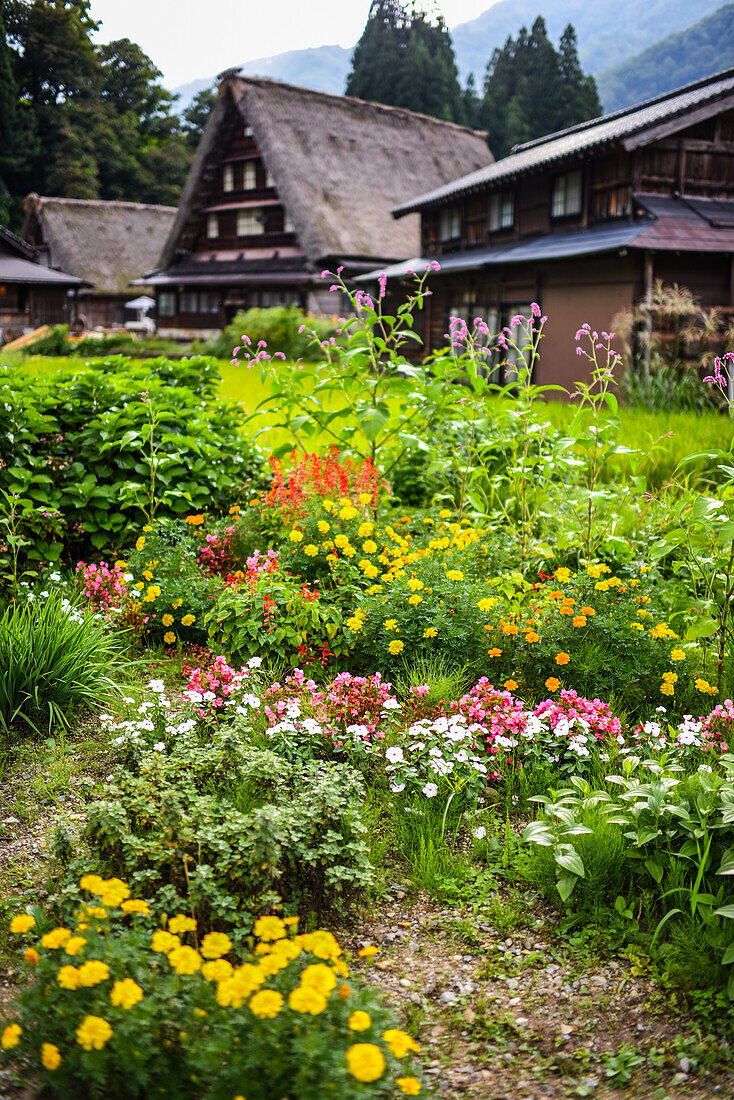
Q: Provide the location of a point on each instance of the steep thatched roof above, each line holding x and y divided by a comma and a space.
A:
339, 164
108, 244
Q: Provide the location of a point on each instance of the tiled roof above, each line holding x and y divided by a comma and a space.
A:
578, 139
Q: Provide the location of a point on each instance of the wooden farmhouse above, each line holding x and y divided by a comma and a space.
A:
288, 182
30, 293
107, 244
583, 221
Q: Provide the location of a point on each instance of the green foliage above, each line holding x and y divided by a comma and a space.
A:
112, 445
405, 58
227, 832
55, 661
532, 89
280, 327
277, 616
702, 49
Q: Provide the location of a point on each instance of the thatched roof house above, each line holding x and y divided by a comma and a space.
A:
287, 181
108, 244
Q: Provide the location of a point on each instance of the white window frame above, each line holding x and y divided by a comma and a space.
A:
250, 222
501, 211
567, 194
450, 224
167, 303
212, 226
228, 177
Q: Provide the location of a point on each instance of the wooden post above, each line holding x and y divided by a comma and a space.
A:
648, 261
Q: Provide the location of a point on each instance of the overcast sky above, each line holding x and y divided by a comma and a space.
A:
188, 39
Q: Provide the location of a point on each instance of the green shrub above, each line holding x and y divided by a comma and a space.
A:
279, 328
227, 832
54, 660
114, 444
115, 1006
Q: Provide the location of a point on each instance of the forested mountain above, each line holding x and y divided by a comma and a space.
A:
705, 48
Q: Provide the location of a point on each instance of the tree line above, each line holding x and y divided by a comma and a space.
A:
405, 58
85, 120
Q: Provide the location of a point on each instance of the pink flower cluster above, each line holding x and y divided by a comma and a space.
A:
501, 714
215, 555
718, 726
345, 701
103, 585
210, 688
572, 708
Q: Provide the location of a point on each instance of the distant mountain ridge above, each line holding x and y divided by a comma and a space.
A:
613, 40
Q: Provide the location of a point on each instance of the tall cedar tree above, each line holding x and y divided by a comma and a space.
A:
16, 138
98, 122
531, 89
405, 58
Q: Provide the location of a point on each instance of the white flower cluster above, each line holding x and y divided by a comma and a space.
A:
444, 749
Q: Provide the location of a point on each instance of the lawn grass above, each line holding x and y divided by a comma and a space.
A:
665, 437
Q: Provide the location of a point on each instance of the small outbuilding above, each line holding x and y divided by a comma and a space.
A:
108, 245
31, 294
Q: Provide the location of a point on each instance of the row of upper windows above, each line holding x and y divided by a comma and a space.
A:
243, 176
250, 223
566, 200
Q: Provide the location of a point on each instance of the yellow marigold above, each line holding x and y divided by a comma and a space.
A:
93, 883
269, 928
147, 574
21, 923
409, 1086
328, 505
169, 638
311, 550
348, 512
11, 1036
93, 1033
359, 1021
531, 636
215, 944
355, 623
286, 949
50, 1056
307, 999
31, 956
370, 950
364, 498
126, 993
414, 584
444, 513
136, 905
56, 938
552, 683
494, 652
366, 1061
321, 944
391, 624
68, 977
396, 646
320, 977
666, 688
164, 942
188, 620
369, 546
415, 599
486, 603
678, 655
593, 571
348, 551
296, 535
114, 891
454, 575
185, 960
399, 1043
636, 626
562, 658
74, 944
266, 1004
93, 972
216, 970
562, 575
565, 610
578, 620
176, 604
341, 541
140, 543
587, 611
167, 620
273, 962
195, 521
365, 530
234, 991
670, 677
181, 923
323, 527
510, 685
508, 628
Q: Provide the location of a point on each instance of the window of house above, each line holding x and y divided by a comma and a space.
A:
249, 176
566, 195
189, 301
212, 225
501, 211
250, 223
512, 359
450, 224
166, 303
247, 131
208, 301
288, 226
228, 177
